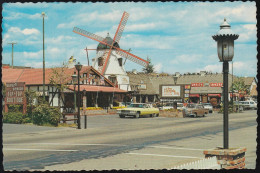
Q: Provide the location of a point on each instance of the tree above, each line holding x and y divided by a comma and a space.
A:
149, 68
239, 86
60, 78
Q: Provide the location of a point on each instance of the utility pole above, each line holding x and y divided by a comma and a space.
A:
12, 53
43, 90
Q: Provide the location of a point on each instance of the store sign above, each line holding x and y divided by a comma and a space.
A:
142, 86
186, 95
15, 93
216, 84
196, 84
187, 87
171, 91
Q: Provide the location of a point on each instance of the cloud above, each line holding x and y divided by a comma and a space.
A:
26, 31
33, 55
186, 58
157, 67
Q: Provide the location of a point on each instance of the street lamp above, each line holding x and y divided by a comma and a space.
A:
74, 81
78, 67
84, 108
225, 41
43, 15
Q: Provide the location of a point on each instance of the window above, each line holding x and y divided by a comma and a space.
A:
112, 79
100, 61
120, 61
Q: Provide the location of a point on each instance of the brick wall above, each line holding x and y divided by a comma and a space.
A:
233, 158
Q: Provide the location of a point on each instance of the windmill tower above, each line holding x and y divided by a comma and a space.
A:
109, 55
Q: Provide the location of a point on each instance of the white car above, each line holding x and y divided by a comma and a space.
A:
208, 106
170, 106
250, 104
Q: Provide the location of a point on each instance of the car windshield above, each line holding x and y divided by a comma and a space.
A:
191, 105
136, 106
206, 104
179, 105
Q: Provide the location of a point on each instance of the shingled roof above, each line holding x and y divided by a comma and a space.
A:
34, 76
153, 82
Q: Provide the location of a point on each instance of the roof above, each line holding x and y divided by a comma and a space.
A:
109, 41
153, 82
94, 88
35, 76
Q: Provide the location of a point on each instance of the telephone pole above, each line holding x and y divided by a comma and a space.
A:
43, 92
12, 53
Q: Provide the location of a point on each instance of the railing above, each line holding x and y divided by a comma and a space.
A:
207, 163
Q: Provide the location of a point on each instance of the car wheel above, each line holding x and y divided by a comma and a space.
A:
195, 115
121, 116
157, 115
137, 115
204, 115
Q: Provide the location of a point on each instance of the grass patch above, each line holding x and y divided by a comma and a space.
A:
67, 125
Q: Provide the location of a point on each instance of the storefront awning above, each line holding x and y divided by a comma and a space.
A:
94, 88
194, 95
214, 95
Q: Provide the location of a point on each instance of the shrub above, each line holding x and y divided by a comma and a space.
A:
13, 117
44, 114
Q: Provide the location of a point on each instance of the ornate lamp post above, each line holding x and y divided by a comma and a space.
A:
74, 80
78, 67
225, 41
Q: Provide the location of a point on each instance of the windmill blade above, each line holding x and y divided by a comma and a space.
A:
132, 57
90, 35
121, 27
105, 65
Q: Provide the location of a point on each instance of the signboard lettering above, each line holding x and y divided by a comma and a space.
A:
15, 95
216, 84
171, 91
196, 84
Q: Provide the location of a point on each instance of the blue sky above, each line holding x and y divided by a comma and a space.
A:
176, 36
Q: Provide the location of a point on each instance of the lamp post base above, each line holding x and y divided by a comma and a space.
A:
232, 158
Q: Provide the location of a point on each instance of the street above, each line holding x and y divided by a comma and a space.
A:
110, 142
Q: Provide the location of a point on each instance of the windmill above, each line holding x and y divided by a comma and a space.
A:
114, 44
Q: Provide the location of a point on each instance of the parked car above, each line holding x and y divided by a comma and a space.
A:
167, 106
208, 106
196, 110
138, 109
250, 104
170, 106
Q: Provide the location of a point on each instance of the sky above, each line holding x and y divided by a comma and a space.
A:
176, 36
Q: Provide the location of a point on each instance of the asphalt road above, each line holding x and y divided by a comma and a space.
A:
110, 142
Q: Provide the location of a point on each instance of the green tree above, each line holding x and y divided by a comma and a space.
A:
239, 86
149, 68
